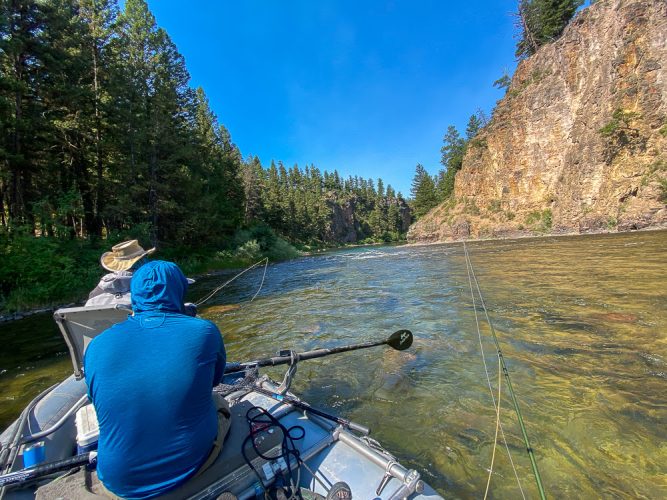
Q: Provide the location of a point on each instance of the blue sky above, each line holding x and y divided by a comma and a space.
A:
364, 87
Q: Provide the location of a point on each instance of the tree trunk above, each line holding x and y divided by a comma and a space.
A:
95, 228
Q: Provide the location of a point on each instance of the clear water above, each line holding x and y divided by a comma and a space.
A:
582, 323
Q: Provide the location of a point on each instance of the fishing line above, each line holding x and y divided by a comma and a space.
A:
264, 261
529, 449
496, 407
261, 284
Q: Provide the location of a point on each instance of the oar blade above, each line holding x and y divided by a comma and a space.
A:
400, 340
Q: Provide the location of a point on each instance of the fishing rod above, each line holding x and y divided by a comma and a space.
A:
501, 358
399, 340
21, 476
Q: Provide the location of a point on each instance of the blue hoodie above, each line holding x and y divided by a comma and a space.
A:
150, 380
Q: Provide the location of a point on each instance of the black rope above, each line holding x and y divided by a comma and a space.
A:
261, 420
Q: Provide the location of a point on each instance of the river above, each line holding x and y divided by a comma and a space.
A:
582, 322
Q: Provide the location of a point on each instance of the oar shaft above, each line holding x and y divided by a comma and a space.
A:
284, 360
305, 406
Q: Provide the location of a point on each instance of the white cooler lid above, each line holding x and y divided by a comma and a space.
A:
87, 428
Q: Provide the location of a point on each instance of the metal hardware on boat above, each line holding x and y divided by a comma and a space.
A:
411, 484
58, 424
385, 479
395, 469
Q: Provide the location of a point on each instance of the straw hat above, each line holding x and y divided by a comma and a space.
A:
123, 256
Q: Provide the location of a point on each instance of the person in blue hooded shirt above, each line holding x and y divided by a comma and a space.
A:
150, 379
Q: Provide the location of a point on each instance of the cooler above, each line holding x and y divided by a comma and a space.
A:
87, 429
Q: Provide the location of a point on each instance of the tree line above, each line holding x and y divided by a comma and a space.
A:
100, 135
538, 22
307, 205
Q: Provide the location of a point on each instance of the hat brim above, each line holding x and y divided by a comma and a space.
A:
111, 263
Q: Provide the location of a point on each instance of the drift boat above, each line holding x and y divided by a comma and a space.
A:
275, 438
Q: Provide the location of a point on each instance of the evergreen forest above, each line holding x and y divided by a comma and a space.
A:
102, 139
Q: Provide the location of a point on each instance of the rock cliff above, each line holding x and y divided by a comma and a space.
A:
344, 225
578, 143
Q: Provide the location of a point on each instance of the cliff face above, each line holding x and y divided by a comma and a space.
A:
578, 143
345, 227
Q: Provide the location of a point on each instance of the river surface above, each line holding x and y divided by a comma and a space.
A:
582, 323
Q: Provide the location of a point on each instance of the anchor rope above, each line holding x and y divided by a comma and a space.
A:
210, 295
529, 449
488, 380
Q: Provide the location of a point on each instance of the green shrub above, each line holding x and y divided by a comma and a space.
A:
45, 271
471, 207
478, 143
494, 206
281, 250
41, 271
540, 220
609, 129
547, 219
620, 120
250, 250
533, 217
663, 188
509, 215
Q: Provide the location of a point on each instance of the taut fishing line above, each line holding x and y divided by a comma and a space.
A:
496, 406
501, 360
264, 261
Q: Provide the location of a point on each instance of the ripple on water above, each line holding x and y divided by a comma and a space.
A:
582, 323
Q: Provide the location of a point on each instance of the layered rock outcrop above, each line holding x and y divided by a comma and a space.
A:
578, 143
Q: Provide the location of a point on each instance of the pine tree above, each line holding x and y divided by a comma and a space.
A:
474, 124
453, 151
423, 192
542, 21
99, 16
253, 185
23, 51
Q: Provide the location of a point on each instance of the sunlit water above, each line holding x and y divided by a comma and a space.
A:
582, 323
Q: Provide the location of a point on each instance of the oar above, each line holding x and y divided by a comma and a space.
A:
24, 475
399, 340
305, 406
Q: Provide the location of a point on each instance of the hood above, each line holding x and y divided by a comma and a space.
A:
118, 282
158, 286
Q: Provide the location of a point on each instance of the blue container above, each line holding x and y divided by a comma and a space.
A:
34, 454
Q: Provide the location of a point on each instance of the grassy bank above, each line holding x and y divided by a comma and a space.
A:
41, 272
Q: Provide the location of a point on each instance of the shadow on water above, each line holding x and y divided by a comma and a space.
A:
581, 321
34, 356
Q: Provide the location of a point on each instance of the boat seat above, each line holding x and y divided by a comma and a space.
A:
80, 325
230, 468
